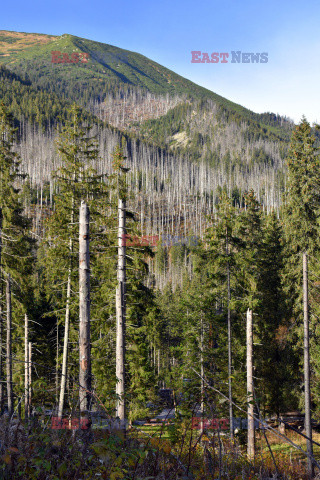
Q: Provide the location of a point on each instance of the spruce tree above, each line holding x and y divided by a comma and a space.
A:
301, 215
301, 209
249, 232
221, 255
273, 365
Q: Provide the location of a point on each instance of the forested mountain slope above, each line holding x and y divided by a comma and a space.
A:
107, 68
184, 143
28, 103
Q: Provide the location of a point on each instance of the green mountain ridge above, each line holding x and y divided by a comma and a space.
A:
108, 68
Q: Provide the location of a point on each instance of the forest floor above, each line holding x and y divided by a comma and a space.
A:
284, 448
289, 460
170, 449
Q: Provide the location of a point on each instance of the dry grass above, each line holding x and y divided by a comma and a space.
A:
12, 42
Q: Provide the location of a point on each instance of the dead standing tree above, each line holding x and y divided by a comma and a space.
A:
26, 367
29, 377
1, 321
121, 292
66, 339
67, 321
202, 373
121, 313
308, 425
251, 449
84, 312
9, 346
229, 339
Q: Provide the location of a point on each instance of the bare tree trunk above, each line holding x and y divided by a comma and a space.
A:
1, 319
9, 347
57, 363
66, 327
1, 353
29, 378
84, 310
121, 315
308, 425
65, 345
251, 446
202, 377
229, 346
26, 367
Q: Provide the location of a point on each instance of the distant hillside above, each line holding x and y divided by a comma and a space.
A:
108, 69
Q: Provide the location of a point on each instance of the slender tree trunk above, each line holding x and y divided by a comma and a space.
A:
9, 347
26, 367
29, 378
121, 315
251, 446
229, 345
1, 319
65, 345
1, 353
84, 311
66, 327
202, 377
308, 425
57, 363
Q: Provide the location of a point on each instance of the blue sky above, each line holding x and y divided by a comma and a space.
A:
168, 31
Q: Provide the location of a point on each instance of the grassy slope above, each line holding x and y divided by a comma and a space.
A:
14, 42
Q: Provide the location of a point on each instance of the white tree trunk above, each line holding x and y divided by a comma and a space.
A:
66, 327
251, 450
121, 315
1, 320
57, 363
229, 346
9, 347
29, 376
202, 376
65, 347
1, 354
84, 310
26, 367
308, 425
